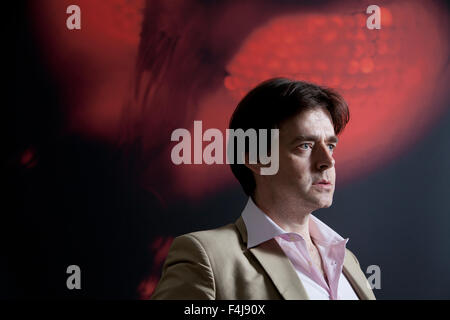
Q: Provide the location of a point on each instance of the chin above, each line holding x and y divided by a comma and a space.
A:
326, 203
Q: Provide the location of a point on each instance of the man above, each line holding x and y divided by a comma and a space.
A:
277, 249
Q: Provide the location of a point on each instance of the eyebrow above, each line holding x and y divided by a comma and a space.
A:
314, 138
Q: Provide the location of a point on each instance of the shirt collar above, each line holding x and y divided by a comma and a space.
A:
260, 228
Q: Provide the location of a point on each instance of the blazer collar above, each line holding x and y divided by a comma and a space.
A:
357, 279
277, 265
283, 274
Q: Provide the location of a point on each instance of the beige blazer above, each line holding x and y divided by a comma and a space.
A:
216, 264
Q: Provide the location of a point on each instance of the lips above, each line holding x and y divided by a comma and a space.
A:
323, 182
323, 185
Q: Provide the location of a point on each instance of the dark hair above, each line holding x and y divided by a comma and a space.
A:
276, 100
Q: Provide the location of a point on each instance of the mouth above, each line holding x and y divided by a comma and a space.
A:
323, 184
323, 181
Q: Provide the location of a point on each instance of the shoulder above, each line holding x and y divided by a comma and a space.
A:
212, 239
216, 247
208, 253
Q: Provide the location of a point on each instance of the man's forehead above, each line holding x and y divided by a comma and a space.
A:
309, 123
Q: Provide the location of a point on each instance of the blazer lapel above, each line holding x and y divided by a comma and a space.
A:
357, 279
277, 265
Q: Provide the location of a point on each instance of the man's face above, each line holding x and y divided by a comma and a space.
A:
306, 147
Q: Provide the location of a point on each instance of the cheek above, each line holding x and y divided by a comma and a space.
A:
295, 167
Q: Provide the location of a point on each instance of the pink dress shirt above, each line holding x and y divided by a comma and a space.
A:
331, 246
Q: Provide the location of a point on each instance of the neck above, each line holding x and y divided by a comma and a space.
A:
288, 215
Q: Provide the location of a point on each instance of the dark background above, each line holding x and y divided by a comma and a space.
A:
79, 202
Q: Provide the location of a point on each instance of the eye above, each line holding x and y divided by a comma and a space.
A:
301, 146
332, 147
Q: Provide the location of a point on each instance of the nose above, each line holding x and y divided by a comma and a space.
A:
325, 158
